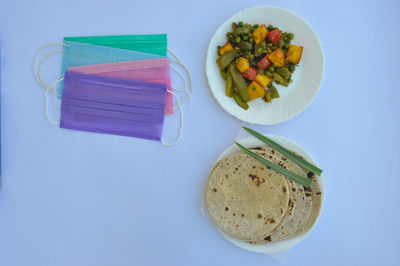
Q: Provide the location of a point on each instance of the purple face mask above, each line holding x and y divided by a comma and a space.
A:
152, 70
113, 105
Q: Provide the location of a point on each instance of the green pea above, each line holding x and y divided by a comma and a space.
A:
287, 41
271, 69
251, 40
290, 36
285, 46
245, 38
270, 27
241, 24
255, 26
237, 39
292, 68
259, 50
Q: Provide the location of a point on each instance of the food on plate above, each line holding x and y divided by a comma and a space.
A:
254, 202
250, 202
259, 54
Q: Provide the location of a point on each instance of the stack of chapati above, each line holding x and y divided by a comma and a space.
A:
251, 202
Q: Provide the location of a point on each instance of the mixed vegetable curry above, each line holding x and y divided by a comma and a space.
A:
254, 57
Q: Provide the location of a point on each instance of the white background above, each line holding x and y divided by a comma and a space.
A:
78, 198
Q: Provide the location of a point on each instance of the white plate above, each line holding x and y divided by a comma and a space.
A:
284, 244
307, 78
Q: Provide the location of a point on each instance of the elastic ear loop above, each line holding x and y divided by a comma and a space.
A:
185, 86
179, 61
52, 87
38, 79
181, 126
180, 75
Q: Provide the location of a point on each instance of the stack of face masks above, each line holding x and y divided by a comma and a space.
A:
115, 84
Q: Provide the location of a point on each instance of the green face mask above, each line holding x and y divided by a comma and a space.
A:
150, 43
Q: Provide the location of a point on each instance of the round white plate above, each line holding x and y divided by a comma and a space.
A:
288, 144
307, 78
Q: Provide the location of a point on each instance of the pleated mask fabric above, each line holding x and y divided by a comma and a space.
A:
113, 105
148, 43
151, 70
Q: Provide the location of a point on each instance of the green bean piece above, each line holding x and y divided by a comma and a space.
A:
223, 74
224, 60
229, 85
284, 72
263, 44
234, 26
240, 101
269, 44
273, 92
280, 80
241, 30
239, 83
285, 46
292, 68
268, 73
245, 46
237, 39
267, 96
273, 47
271, 69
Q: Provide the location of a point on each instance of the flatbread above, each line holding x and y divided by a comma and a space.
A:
244, 198
316, 196
295, 216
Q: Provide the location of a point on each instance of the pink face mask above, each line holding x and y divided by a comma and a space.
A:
151, 70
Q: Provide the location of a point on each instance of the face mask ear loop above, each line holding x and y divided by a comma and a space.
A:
39, 77
181, 126
52, 86
179, 61
181, 76
35, 58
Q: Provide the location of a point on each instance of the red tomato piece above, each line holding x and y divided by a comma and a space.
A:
264, 63
274, 35
250, 73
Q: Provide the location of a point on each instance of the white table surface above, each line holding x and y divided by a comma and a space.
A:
78, 198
